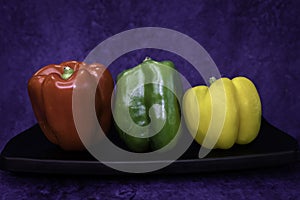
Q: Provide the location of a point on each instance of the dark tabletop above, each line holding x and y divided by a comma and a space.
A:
257, 39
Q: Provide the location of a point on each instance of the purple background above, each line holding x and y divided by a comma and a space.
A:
257, 39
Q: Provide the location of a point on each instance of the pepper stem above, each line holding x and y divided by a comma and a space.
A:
211, 80
68, 71
146, 59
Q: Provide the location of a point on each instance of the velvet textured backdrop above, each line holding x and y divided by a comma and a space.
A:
257, 39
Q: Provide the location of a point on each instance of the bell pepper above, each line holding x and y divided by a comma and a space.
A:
50, 90
240, 104
152, 105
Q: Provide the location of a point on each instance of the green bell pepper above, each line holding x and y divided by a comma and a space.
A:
147, 93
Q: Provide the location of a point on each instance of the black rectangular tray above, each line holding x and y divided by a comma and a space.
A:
30, 151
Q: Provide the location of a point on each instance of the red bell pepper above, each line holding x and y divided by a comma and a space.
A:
50, 90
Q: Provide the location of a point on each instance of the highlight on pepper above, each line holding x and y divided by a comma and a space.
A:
202, 106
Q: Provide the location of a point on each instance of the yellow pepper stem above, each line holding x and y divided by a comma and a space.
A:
211, 80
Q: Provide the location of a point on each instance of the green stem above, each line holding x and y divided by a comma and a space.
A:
68, 72
212, 80
146, 59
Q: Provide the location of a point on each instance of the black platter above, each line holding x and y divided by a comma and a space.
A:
31, 152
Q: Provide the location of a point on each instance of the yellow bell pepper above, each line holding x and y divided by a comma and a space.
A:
225, 113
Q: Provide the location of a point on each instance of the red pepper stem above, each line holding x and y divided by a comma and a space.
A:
68, 72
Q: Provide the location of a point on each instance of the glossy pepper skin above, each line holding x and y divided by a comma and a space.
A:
50, 91
242, 108
142, 99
